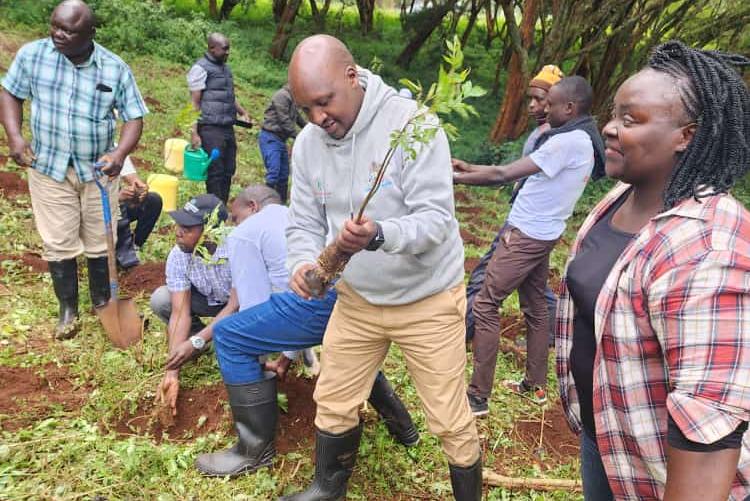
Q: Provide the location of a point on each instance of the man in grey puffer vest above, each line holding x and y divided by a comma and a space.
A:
212, 92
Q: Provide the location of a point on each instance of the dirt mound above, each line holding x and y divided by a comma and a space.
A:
203, 410
30, 394
199, 411
143, 278
462, 197
142, 165
558, 445
470, 263
154, 105
296, 427
470, 238
29, 259
468, 210
13, 185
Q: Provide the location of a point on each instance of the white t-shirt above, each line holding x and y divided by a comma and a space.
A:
257, 256
548, 197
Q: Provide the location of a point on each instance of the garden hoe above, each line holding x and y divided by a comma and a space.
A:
119, 317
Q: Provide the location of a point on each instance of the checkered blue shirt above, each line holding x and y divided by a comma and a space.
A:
72, 117
185, 270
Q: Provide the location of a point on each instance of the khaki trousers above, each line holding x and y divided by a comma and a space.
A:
69, 216
430, 333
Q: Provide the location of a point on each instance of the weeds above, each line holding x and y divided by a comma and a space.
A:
79, 455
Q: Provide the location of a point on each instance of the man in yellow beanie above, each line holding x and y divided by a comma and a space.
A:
558, 159
537, 94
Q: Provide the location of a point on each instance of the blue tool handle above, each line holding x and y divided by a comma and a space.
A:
98, 174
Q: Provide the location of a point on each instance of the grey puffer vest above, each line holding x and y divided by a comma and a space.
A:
217, 101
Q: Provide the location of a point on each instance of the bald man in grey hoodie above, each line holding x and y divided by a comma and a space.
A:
404, 283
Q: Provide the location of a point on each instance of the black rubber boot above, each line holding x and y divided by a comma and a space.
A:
255, 412
98, 281
125, 252
335, 456
467, 482
65, 282
397, 419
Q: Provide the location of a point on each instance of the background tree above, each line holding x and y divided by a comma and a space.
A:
284, 28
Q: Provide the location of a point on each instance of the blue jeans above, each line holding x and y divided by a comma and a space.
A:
275, 157
595, 484
475, 285
284, 322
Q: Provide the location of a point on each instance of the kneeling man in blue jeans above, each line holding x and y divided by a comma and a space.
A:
271, 319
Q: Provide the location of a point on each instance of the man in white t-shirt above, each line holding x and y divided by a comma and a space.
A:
556, 173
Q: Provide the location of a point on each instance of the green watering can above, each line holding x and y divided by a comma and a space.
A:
196, 163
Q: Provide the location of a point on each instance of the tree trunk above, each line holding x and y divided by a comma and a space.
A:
226, 8
423, 32
278, 9
213, 10
284, 29
476, 8
319, 15
366, 10
512, 119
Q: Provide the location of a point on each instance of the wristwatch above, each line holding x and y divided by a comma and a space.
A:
377, 240
198, 342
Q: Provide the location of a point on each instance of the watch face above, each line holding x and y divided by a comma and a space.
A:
197, 342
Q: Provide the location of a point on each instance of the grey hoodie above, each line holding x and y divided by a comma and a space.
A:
423, 253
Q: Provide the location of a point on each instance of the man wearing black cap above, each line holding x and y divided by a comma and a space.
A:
196, 286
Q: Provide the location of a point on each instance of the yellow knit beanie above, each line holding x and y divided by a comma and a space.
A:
547, 77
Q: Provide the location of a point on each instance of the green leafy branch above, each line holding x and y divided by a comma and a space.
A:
186, 117
214, 234
443, 98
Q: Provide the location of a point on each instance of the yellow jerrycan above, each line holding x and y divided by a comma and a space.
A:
174, 151
166, 186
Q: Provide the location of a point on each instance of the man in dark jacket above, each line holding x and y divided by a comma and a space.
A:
212, 92
279, 124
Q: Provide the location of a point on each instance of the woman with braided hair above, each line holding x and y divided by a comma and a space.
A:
653, 334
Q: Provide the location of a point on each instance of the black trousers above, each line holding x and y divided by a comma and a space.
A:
145, 215
221, 170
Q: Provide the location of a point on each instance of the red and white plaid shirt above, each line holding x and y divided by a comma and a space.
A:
672, 326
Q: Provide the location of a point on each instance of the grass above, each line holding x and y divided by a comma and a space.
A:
77, 455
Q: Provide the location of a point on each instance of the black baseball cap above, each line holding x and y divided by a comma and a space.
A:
198, 210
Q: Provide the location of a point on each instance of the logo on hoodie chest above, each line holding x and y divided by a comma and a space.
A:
320, 192
387, 183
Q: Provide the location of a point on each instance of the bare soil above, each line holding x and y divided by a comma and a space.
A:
146, 278
31, 260
12, 185
469, 210
142, 165
31, 394
208, 407
470, 238
462, 197
154, 105
470, 263
559, 445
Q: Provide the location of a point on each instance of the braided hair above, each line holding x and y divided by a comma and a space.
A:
718, 101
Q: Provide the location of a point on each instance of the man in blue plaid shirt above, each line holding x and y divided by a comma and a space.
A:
74, 86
